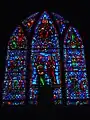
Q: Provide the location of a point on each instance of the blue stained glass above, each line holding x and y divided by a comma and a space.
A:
45, 62
15, 69
75, 67
42, 47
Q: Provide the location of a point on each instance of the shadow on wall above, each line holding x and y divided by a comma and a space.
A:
45, 95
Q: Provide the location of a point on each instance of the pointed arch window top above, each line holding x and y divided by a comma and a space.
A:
17, 39
73, 39
45, 15
46, 21
45, 18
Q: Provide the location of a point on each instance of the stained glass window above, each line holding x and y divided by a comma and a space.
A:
15, 71
75, 68
42, 57
45, 59
29, 21
60, 22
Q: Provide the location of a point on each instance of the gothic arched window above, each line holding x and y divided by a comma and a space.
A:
15, 71
75, 68
45, 57
38, 62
